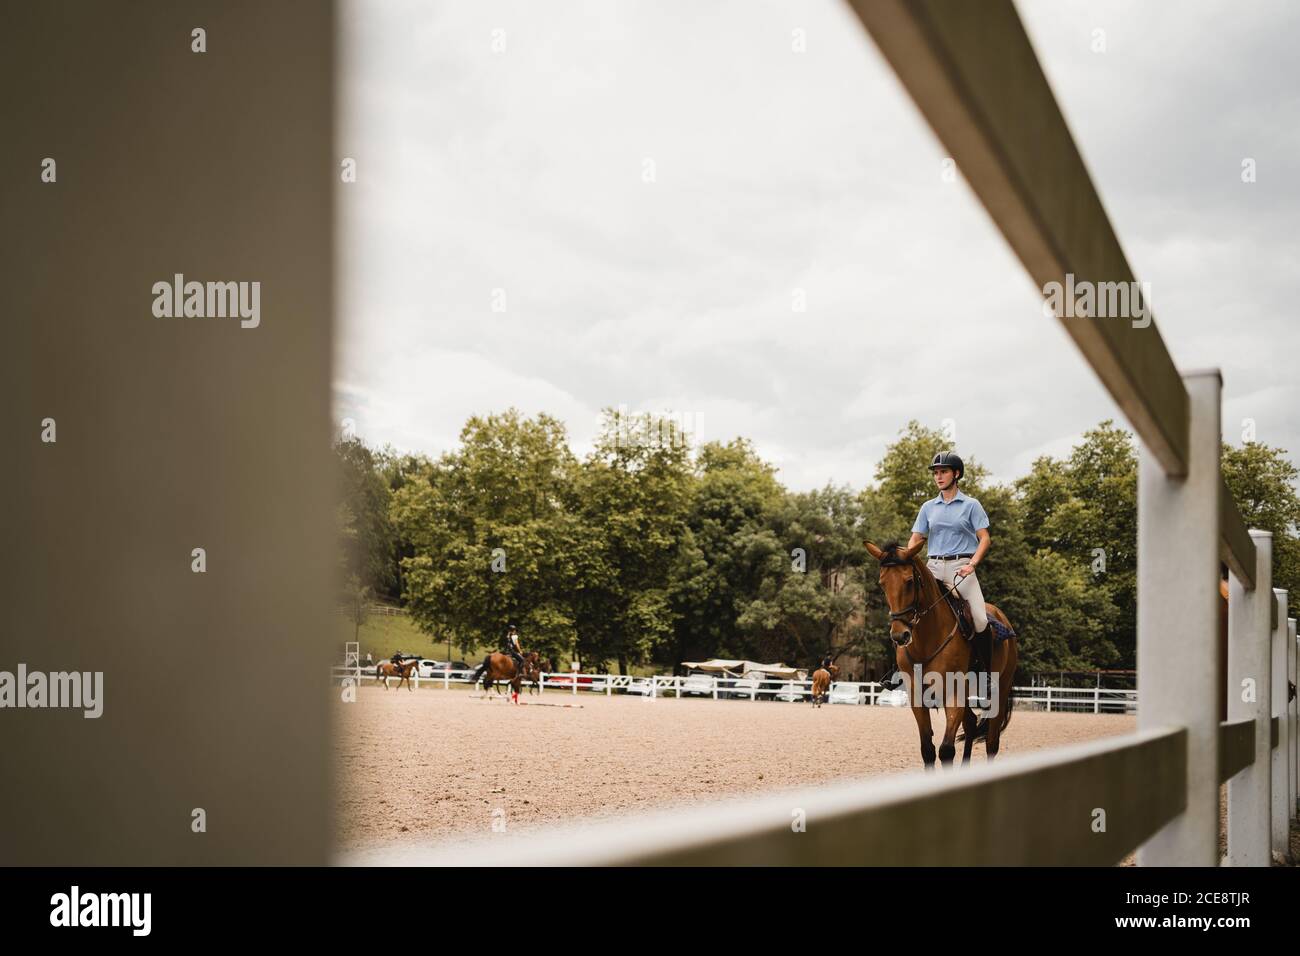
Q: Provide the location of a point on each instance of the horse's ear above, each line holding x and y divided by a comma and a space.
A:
873, 550
908, 553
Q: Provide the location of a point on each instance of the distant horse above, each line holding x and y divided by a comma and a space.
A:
501, 667
822, 684
924, 630
387, 669
532, 674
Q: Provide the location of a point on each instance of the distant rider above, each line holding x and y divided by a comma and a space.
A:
514, 649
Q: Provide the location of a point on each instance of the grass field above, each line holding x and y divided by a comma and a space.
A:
383, 634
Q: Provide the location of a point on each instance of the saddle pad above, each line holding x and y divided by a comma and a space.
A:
1000, 631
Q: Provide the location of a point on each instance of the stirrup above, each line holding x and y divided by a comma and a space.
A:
977, 702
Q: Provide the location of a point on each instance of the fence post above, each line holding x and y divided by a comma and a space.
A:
1096, 700
1177, 621
715, 688
1049, 698
1291, 709
1249, 682
1279, 708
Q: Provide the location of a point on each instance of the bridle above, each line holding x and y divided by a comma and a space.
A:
916, 589
916, 615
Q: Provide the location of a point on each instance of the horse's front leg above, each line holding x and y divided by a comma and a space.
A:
969, 724
948, 749
922, 715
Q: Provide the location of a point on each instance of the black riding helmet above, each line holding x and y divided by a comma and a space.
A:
949, 459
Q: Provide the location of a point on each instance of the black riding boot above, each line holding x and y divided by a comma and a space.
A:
981, 666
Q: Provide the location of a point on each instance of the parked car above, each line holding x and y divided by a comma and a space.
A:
893, 698
585, 681
697, 685
637, 685
745, 687
844, 694
791, 692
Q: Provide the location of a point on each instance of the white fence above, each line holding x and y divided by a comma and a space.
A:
382, 610
1092, 700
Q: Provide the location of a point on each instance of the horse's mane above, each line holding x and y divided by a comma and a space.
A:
892, 557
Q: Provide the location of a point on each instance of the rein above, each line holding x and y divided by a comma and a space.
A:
916, 615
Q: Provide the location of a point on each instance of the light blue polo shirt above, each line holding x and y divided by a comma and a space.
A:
950, 526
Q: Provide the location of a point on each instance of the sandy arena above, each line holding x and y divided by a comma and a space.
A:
436, 763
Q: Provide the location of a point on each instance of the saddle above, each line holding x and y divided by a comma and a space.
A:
966, 622
961, 608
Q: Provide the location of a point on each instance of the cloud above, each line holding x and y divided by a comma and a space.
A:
779, 175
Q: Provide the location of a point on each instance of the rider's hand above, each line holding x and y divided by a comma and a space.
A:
965, 569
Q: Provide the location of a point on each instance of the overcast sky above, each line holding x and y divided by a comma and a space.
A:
524, 170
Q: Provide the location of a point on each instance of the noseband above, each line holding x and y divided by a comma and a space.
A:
912, 610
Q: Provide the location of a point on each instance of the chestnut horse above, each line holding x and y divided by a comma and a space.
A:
501, 667
822, 684
387, 669
924, 630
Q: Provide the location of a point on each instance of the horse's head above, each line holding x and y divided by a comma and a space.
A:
901, 582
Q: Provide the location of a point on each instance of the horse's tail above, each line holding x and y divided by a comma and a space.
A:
481, 668
379, 671
1011, 705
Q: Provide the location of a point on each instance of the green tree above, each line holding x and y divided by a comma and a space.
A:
397, 470
1263, 484
728, 545
492, 539
1084, 508
631, 498
368, 541
809, 599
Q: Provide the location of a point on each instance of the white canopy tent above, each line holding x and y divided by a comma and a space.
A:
725, 668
